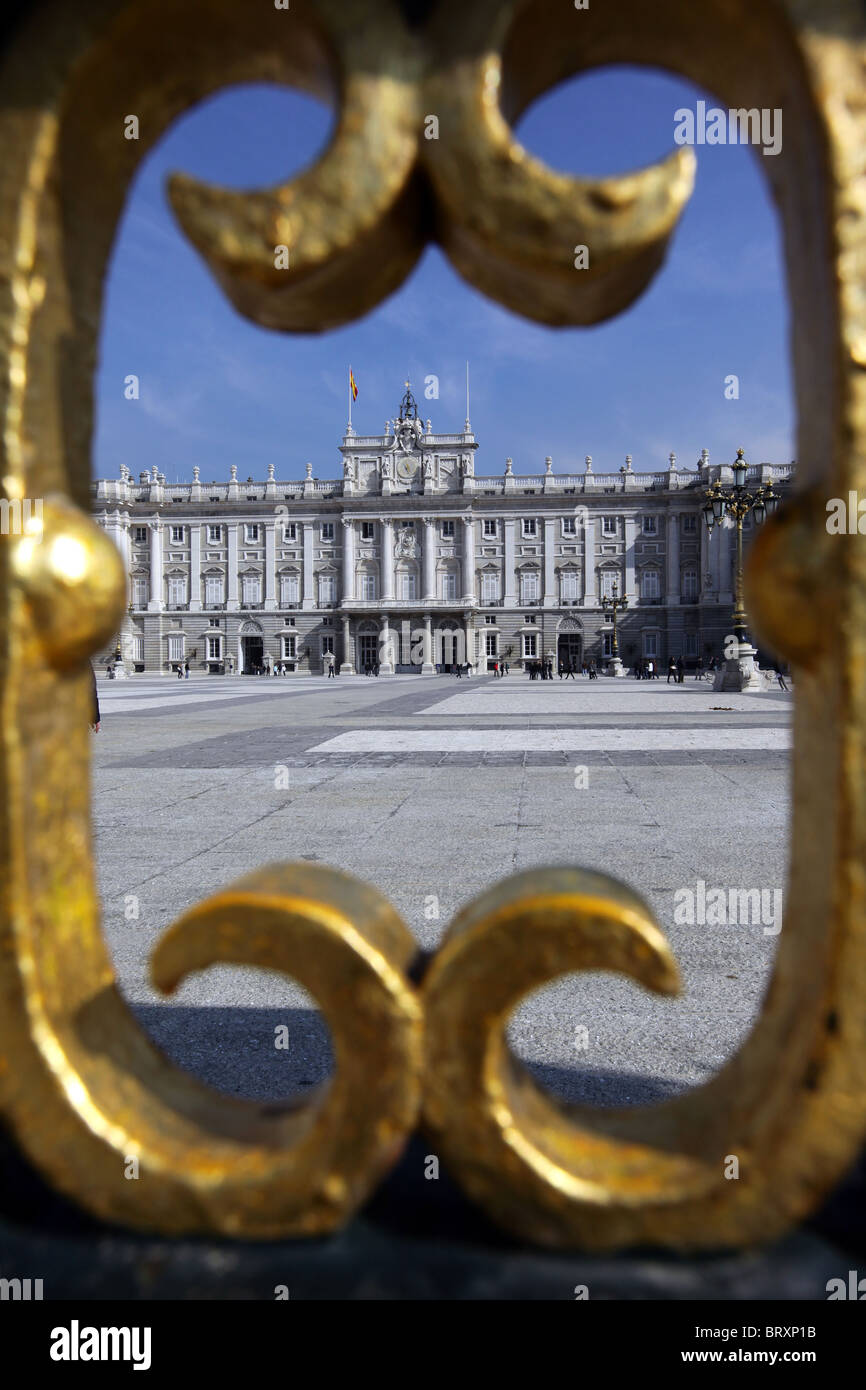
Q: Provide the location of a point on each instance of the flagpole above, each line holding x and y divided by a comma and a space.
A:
350, 395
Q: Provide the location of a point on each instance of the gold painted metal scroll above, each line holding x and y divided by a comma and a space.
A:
81, 1087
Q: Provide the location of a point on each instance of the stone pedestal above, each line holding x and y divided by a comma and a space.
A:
740, 673
615, 668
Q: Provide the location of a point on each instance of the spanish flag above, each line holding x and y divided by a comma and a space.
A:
352, 386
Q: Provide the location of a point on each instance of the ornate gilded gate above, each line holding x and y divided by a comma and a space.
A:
81, 1086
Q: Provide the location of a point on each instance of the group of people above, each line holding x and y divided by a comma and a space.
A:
540, 670
500, 669
676, 670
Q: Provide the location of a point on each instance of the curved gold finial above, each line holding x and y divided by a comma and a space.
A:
551, 247
548, 1172
554, 248
331, 244
103, 1105
73, 581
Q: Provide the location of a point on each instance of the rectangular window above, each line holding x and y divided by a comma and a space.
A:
529, 527
252, 590
491, 643
447, 530
214, 648
213, 588
449, 586
328, 644
289, 587
651, 644
489, 588
569, 586
177, 535
530, 644
608, 579
368, 586
290, 531
569, 526
327, 588
368, 530
690, 523
214, 534
491, 529
529, 587
327, 530
607, 644
176, 592
650, 584
690, 585
290, 648
140, 534
650, 527
691, 644
251, 531
408, 586
175, 648
139, 593
138, 649
608, 525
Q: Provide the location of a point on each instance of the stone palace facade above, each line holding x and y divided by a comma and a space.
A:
413, 559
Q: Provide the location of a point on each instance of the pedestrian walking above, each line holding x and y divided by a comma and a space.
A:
672, 671
783, 685
681, 670
331, 663
186, 670
180, 673
94, 702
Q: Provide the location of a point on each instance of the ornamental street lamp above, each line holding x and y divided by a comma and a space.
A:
613, 605
738, 502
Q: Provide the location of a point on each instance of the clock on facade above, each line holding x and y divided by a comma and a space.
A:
406, 469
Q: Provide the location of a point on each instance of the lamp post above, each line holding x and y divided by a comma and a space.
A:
613, 605
738, 672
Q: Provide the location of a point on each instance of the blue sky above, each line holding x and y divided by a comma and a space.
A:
217, 390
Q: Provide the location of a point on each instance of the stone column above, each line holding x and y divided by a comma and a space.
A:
309, 598
155, 603
429, 559
347, 668
470, 640
550, 597
510, 598
232, 603
427, 666
469, 559
590, 591
387, 559
629, 556
195, 568
673, 558
270, 566
348, 560
386, 663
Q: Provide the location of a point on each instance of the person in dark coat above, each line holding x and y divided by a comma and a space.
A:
94, 703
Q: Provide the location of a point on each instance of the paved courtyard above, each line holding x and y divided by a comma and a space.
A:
433, 790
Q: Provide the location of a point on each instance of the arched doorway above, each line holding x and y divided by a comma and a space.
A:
569, 645
251, 650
